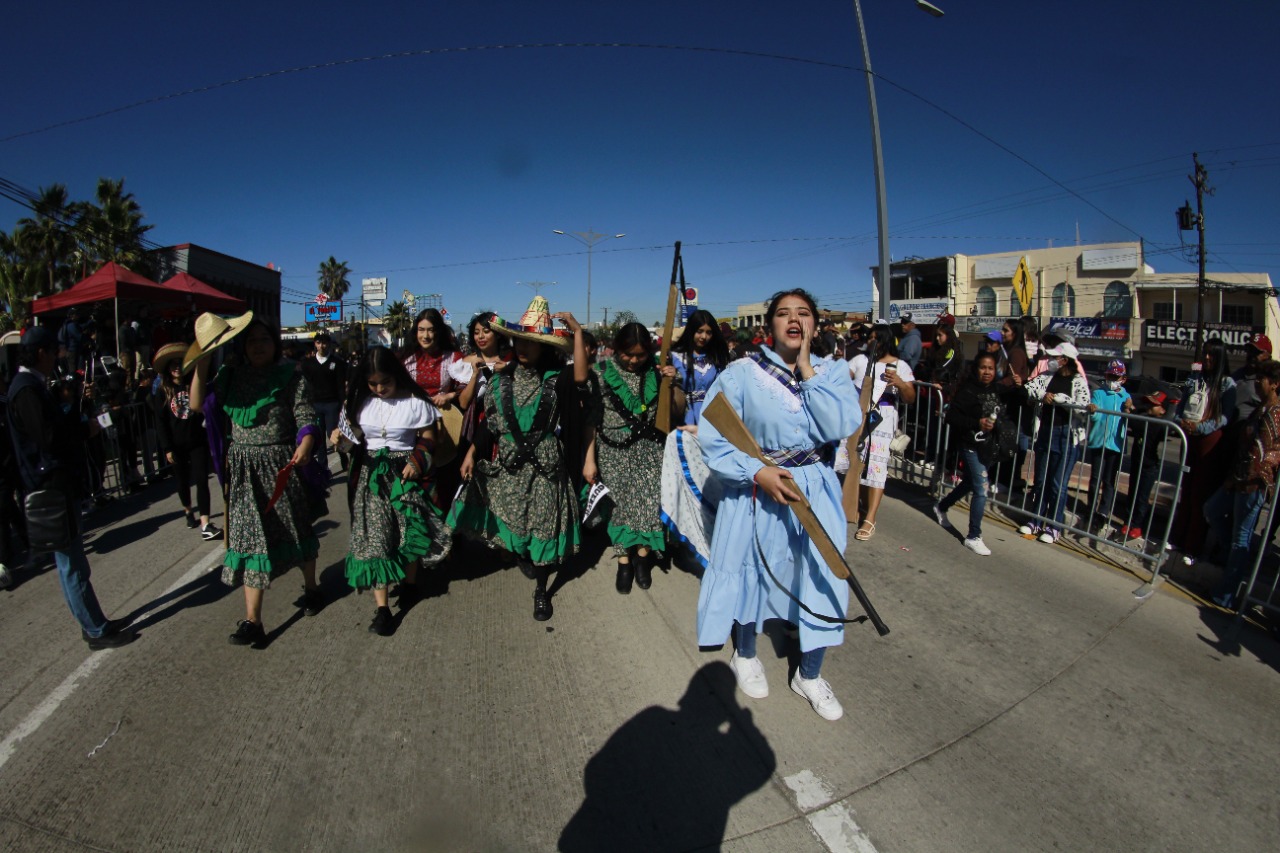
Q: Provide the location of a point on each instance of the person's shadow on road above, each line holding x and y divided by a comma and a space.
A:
667, 779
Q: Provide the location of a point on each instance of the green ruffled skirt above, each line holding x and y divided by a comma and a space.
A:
393, 523
262, 546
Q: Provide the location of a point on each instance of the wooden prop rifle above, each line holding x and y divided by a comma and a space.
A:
722, 416
662, 419
853, 477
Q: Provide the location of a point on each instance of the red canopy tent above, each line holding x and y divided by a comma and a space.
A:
111, 282
205, 297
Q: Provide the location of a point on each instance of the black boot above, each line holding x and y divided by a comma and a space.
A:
542, 609
626, 574
644, 566
526, 568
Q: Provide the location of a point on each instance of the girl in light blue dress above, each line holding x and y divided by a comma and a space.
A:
699, 356
798, 407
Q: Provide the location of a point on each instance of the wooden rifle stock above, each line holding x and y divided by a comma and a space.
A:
662, 419
722, 416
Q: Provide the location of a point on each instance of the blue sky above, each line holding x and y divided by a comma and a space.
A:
447, 171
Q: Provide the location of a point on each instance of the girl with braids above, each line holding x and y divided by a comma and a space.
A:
624, 449
699, 355
394, 527
519, 494
763, 564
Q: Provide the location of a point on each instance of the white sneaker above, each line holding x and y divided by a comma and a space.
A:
6, 579
1049, 537
819, 694
1029, 529
941, 514
750, 675
978, 547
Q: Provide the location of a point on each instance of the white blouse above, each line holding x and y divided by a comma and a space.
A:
392, 423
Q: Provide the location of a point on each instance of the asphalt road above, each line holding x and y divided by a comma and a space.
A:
1023, 702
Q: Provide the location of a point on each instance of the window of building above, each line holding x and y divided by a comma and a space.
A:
1117, 301
1015, 307
986, 301
1241, 315
1064, 300
1166, 311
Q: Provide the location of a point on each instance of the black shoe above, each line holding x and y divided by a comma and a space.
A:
111, 640
192, 522
247, 634
626, 574
312, 601
114, 626
383, 624
527, 569
542, 609
210, 531
644, 566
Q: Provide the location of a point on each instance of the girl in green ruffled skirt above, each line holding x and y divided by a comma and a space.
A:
394, 526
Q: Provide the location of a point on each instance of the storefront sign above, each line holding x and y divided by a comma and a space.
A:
979, 325
1090, 327
1175, 335
1115, 330
923, 311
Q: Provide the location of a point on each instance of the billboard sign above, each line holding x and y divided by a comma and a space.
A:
373, 289
1174, 335
326, 312
978, 324
922, 311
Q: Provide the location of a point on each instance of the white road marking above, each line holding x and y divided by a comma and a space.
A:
833, 823
45, 709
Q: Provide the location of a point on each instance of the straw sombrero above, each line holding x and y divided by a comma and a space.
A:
212, 331
535, 325
167, 353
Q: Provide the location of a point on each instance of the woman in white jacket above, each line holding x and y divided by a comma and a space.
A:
1060, 433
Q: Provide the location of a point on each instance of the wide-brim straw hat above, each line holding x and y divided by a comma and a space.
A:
166, 354
213, 331
535, 325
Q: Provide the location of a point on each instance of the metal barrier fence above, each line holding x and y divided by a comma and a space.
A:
1254, 590
126, 441
1102, 497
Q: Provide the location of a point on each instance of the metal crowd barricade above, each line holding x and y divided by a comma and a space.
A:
118, 451
1254, 590
1147, 475
924, 424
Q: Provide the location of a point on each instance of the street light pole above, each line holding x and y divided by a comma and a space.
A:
882, 204
588, 238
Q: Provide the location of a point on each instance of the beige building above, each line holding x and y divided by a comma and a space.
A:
1113, 302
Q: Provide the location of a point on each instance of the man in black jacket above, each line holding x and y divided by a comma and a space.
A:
48, 449
326, 373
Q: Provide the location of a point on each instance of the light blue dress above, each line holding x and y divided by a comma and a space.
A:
735, 586
696, 383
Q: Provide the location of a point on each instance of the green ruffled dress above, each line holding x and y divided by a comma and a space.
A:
393, 523
631, 469
526, 506
266, 408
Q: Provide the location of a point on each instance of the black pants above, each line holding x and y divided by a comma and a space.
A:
191, 465
10, 514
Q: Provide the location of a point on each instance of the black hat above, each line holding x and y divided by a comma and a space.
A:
40, 337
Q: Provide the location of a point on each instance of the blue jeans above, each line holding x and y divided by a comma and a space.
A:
975, 482
73, 574
744, 640
1232, 517
1056, 455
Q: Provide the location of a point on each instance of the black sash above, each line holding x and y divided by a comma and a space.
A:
543, 424
640, 427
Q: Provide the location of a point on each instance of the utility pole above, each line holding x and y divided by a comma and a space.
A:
1186, 222
606, 317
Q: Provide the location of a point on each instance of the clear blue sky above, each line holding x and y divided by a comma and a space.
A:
446, 172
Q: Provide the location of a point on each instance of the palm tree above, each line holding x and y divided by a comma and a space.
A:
333, 278
397, 320
112, 230
21, 277
51, 233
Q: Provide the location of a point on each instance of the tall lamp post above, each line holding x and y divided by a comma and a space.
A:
588, 238
882, 205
